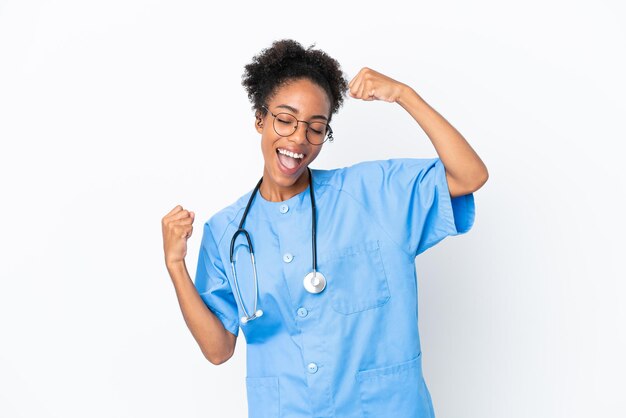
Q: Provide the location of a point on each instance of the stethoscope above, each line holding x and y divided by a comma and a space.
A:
314, 282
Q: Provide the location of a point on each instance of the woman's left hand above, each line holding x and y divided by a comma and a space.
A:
371, 85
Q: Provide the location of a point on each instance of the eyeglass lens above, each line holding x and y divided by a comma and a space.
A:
286, 124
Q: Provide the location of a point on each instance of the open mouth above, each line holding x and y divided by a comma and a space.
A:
289, 161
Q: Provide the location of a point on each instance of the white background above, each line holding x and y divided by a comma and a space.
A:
113, 112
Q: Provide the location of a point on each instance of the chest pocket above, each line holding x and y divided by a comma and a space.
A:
356, 279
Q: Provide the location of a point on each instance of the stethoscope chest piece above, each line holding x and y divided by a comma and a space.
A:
314, 282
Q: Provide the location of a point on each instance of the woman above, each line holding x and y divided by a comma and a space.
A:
330, 318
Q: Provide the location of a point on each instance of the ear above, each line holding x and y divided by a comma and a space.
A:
258, 122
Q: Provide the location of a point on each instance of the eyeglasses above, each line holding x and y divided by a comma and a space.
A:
285, 124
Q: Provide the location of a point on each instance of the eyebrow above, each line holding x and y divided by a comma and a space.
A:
294, 110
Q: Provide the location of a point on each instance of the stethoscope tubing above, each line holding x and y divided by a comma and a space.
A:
241, 230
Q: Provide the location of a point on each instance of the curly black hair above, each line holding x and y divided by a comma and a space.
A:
286, 60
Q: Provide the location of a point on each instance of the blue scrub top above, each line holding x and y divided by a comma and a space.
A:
352, 350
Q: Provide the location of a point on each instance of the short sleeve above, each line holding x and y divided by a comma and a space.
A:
212, 283
411, 199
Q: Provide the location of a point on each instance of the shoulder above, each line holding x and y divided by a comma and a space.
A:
374, 172
219, 222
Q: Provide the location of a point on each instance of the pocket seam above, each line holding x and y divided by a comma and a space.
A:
385, 371
344, 252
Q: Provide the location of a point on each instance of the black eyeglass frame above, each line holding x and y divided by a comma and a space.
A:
328, 137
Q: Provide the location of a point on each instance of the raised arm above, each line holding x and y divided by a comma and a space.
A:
465, 171
216, 343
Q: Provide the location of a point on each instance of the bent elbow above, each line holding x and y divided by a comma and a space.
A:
479, 181
483, 179
218, 362
217, 359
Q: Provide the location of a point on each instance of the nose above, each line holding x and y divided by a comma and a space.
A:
299, 136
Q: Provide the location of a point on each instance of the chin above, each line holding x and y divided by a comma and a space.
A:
285, 180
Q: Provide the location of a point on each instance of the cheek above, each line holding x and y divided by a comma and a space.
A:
265, 145
267, 148
315, 153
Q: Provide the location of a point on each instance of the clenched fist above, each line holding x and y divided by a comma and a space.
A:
177, 227
371, 85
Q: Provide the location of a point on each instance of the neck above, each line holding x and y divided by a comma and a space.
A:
277, 193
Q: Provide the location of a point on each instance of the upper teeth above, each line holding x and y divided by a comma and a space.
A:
289, 153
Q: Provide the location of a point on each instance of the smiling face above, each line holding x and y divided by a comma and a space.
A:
283, 175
